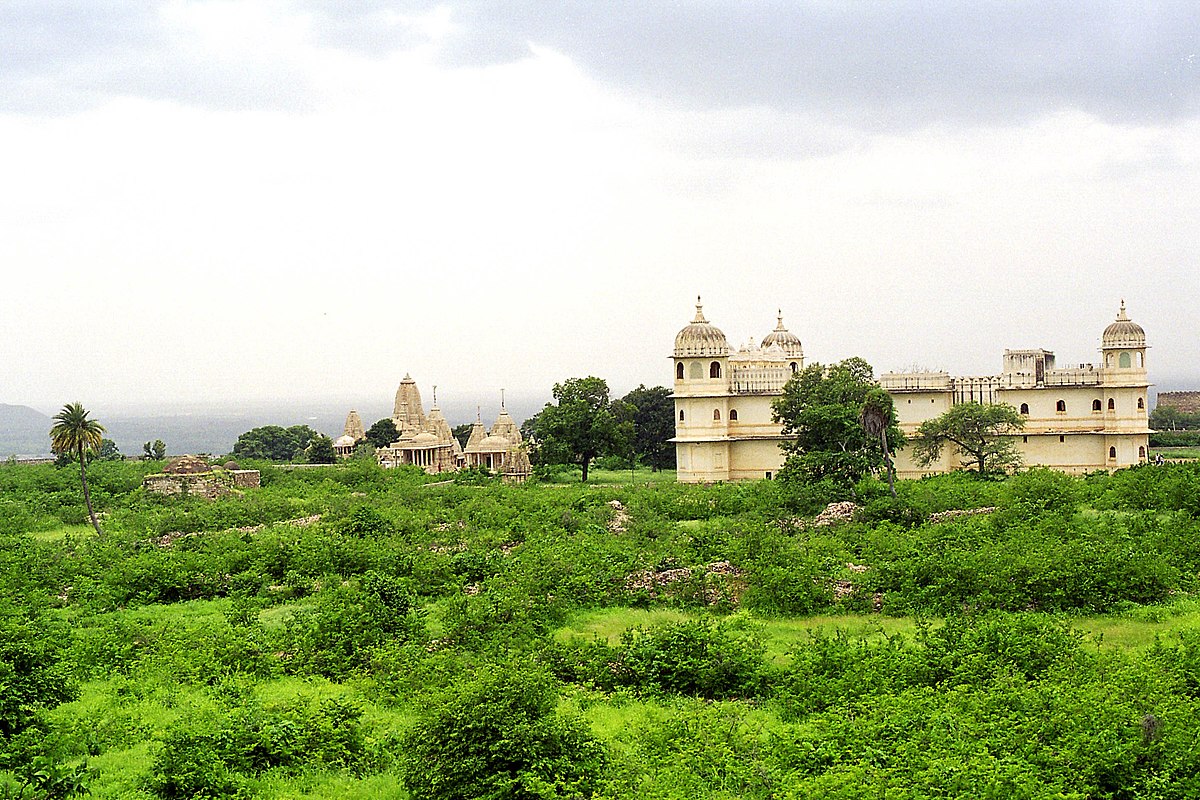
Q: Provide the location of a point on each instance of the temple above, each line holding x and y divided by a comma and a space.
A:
426, 440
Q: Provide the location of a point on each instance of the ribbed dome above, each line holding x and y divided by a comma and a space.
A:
787, 341
700, 338
494, 444
1124, 332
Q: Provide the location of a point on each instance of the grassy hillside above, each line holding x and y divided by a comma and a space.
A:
354, 632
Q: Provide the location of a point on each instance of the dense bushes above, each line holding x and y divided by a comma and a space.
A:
217, 756
440, 609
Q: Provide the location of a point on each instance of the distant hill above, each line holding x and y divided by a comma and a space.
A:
214, 427
23, 431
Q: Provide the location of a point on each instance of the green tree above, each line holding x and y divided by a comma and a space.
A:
580, 426
653, 426
382, 433
819, 410
1164, 418
500, 736
73, 432
877, 415
982, 434
320, 450
155, 451
463, 432
109, 451
274, 443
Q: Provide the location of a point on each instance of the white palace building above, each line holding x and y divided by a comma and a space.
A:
1078, 419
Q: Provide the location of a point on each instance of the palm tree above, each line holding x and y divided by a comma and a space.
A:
73, 433
875, 417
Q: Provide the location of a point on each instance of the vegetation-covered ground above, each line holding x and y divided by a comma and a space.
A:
352, 632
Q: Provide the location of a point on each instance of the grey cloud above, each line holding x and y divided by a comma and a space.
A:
878, 64
868, 65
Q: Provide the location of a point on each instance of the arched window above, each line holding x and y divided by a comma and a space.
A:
733, 415
1108, 362
679, 371
716, 415
1095, 405
1112, 452
1125, 362
795, 367
1141, 404
1025, 409
1112, 404
714, 369
1141, 359
1061, 406
695, 370
681, 415
1142, 453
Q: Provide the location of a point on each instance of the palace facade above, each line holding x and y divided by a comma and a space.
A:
1077, 419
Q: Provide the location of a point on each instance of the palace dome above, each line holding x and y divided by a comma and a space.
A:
700, 338
1124, 332
787, 341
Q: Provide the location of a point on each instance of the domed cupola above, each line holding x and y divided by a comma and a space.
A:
701, 338
1124, 332
787, 341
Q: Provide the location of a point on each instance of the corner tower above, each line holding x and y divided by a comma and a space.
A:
1124, 386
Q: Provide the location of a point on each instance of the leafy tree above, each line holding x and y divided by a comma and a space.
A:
501, 736
320, 450
74, 432
383, 432
109, 451
981, 433
1164, 418
876, 416
463, 432
274, 443
653, 426
820, 409
155, 451
580, 426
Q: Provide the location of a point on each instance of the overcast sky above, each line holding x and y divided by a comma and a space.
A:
264, 200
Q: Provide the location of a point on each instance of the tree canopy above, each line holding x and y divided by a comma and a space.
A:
382, 433
653, 425
981, 433
820, 410
274, 443
579, 426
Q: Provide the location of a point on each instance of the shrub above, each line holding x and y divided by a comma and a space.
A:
500, 736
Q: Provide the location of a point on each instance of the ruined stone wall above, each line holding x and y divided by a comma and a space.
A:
1188, 402
205, 484
245, 478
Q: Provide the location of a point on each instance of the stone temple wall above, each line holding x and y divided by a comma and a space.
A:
1188, 402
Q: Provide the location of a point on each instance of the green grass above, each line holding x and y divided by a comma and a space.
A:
62, 532
609, 623
615, 477
1175, 452
1133, 629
